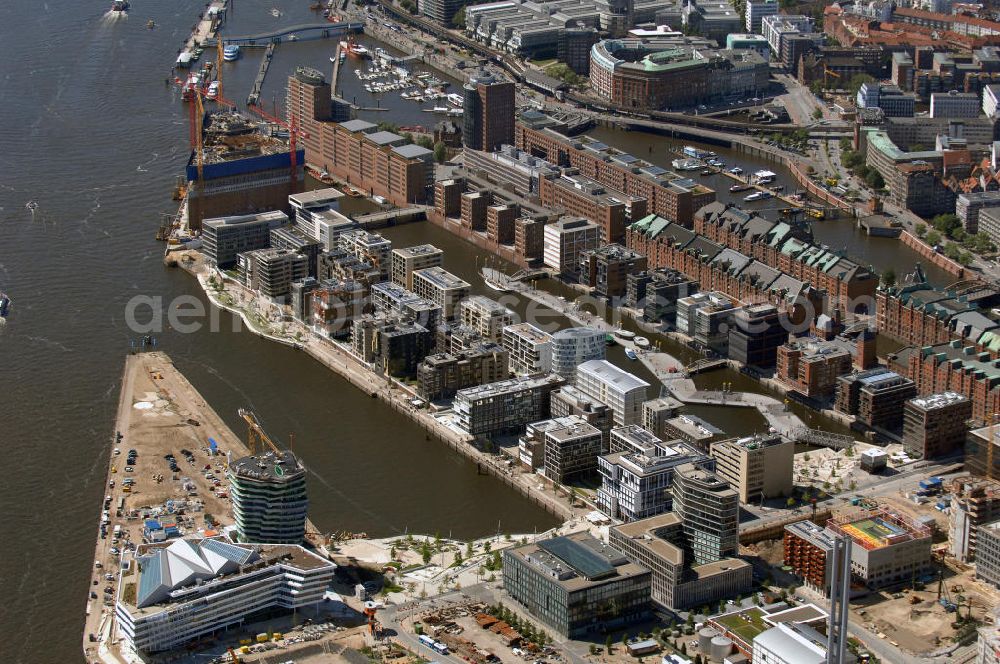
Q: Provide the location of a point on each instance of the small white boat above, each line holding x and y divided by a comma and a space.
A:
736, 170
624, 334
213, 90
686, 164
757, 196
641, 342
231, 52
630, 354
275, 12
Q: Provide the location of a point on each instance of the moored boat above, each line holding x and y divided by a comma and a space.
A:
630, 354
641, 342
686, 164
231, 52
739, 187
213, 90
624, 334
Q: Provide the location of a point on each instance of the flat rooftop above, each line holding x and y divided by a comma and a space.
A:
272, 467
611, 375
441, 278
417, 251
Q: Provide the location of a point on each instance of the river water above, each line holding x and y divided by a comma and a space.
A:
94, 135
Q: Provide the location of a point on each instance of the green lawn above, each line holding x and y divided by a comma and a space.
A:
542, 64
746, 629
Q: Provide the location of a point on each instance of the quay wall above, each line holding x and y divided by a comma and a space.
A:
934, 258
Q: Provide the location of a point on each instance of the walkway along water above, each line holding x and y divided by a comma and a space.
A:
392, 392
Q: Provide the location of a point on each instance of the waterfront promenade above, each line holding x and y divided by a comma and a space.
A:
262, 319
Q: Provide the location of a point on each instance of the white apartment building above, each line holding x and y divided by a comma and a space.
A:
773, 27
487, 317
791, 643
369, 247
573, 346
756, 11
564, 240
171, 594
442, 288
623, 392
529, 350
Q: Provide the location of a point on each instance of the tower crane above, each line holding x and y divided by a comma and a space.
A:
255, 433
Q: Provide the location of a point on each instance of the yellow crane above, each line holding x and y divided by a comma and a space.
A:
218, 63
255, 433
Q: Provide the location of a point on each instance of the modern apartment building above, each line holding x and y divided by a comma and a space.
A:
334, 304
757, 467
809, 554
269, 498
656, 413
876, 397
709, 513
656, 543
636, 476
488, 112
623, 392
172, 594
223, 238
529, 349
969, 205
566, 240
572, 346
486, 316
271, 272
606, 269
504, 407
577, 585
441, 375
371, 248
568, 400
442, 288
393, 300
406, 261
935, 425
755, 334
571, 449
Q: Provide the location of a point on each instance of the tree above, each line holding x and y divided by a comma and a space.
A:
487, 547
607, 644
563, 72
425, 552
571, 497
946, 224
921, 230
857, 81
874, 179
425, 141
889, 277
392, 553
933, 238
853, 485
440, 152
468, 550
459, 18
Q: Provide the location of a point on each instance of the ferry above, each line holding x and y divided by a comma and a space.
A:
630, 354
696, 153
213, 90
739, 187
757, 196
686, 164
231, 52
120, 6
4, 306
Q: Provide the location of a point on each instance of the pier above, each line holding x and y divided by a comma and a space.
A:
254, 97
159, 412
392, 217
301, 32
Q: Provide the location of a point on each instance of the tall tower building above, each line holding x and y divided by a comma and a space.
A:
269, 498
309, 102
488, 112
840, 595
709, 510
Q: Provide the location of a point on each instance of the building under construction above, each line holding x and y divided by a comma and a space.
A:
246, 167
888, 547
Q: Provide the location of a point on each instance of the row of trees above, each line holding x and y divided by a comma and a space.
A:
855, 162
